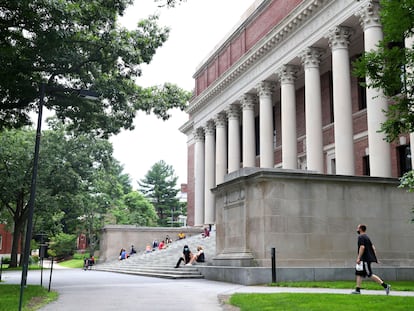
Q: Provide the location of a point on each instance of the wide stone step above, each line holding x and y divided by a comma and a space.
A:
171, 273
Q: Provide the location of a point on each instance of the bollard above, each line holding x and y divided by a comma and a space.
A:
273, 250
50, 276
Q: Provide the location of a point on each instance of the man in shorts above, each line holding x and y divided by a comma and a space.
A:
366, 256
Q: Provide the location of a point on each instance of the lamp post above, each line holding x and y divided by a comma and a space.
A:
82, 93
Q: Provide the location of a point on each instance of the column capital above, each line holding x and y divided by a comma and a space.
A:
339, 37
221, 119
233, 111
265, 88
287, 74
369, 14
248, 101
311, 57
199, 134
209, 128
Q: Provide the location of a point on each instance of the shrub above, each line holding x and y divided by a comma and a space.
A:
62, 245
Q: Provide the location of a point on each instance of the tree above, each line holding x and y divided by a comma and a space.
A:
72, 45
78, 181
158, 186
391, 68
135, 210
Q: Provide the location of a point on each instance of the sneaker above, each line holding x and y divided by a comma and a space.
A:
387, 289
355, 292
189, 264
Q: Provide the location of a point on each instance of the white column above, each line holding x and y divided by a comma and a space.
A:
248, 102
221, 147
313, 109
265, 90
199, 178
342, 102
233, 114
379, 149
210, 180
287, 75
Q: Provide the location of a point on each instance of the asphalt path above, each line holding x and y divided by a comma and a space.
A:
96, 290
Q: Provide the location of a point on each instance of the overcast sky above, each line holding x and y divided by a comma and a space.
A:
197, 26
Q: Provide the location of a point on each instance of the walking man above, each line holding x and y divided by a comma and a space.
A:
366, 256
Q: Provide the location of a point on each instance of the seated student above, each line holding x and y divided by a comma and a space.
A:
133, 251
181, 235
206, 233
186, 256
198, 257
148, 249
123, 255
161, 245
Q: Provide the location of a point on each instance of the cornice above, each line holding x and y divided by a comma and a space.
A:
274, 38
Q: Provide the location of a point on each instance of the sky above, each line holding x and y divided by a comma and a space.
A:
196, 27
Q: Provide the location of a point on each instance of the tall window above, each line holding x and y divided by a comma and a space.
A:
404, 159
362, 94
1, 242
365, 166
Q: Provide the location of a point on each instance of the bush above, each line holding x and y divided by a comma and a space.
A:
62, 245
6, 260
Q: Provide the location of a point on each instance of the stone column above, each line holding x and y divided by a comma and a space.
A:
199, 177
233, 114
248, 102
221, 147
313, 109
210, 180
342, 102
287, 75
265, 90
379, 149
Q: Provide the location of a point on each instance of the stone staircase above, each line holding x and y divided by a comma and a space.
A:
161, 263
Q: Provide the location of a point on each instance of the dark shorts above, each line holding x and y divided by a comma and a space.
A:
367, 272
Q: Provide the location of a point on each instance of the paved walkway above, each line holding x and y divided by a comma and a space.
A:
95, 290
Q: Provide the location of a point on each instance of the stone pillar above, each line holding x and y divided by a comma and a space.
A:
221, 147
233, 114
199, 177
210, 180
342, 102
313, 109
379, 149
287, 75
248, 102
265, 90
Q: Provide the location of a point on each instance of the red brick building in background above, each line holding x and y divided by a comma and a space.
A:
6, 240
278, 92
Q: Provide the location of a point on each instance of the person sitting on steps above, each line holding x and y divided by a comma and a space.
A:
198, 257
186, 257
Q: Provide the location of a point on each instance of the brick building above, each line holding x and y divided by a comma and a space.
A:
278, 92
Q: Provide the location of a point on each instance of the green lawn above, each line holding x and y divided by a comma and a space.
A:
34, 296
366, 284
315, 302
322, 302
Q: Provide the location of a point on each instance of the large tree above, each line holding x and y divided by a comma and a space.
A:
159, 187
79, 44
78, 181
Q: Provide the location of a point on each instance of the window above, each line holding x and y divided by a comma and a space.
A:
365, 166
362, 94
404, 159
1, 242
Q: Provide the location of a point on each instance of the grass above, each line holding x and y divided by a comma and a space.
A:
367, 284
316, 302
34, 297
72, 263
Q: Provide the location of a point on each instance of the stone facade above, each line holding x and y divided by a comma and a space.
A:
310, 219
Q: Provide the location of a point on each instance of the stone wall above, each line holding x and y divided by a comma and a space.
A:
115, 237
310, 219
